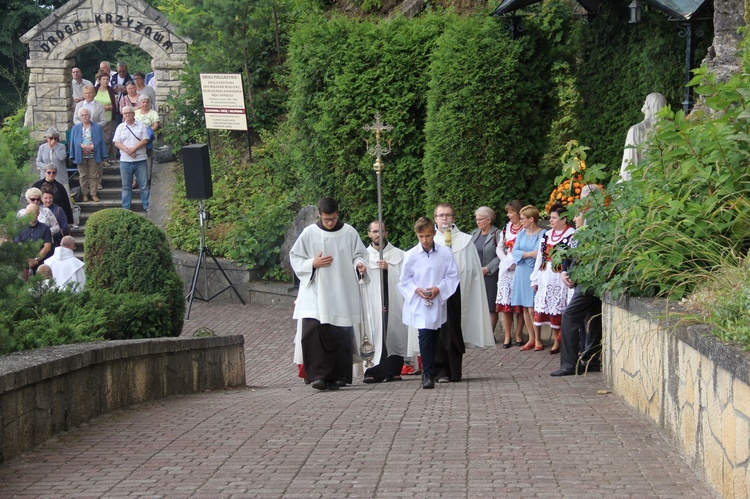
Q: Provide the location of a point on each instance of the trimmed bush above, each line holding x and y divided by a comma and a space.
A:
127, 253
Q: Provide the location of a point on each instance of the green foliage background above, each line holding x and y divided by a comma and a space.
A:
490, 105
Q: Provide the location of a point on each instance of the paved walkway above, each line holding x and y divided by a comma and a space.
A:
508, 430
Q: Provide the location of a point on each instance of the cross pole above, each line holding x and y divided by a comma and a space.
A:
379, 150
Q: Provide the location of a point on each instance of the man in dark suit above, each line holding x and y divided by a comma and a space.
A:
581, 320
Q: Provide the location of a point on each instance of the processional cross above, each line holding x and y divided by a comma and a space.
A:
379, 150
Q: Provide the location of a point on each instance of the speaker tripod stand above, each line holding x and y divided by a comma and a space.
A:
203, 215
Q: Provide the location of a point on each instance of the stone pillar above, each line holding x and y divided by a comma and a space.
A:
722, 57
49, 100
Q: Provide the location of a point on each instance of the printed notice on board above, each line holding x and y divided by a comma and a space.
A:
223, 101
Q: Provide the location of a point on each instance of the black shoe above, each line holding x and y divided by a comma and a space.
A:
319, 384
563, 372
520, 343
340, 383
428, 382
507, 345
332, 385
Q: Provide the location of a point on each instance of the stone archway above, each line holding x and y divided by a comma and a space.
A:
54, 41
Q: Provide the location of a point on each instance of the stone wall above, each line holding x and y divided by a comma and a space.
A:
722, 56
695, 388
46, 391
54, 42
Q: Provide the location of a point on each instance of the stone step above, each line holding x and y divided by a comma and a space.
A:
110, 196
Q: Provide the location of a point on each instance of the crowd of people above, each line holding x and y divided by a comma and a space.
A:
115, 116
440, 297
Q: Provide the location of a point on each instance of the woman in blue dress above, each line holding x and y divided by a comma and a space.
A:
524, 253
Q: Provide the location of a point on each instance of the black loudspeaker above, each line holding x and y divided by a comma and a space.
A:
197, 166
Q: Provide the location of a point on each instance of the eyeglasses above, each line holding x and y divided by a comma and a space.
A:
444, 215
479, 219
329, 220
51, 173
35, 200
127, 113
137, 78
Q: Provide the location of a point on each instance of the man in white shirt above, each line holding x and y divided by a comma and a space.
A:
131, 138
77, 84
473, 328
67, 270
326, 258
429, 278
386, 302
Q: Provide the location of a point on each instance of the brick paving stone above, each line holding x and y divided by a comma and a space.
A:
507, 430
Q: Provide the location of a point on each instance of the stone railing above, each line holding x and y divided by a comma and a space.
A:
43, 392
695, 388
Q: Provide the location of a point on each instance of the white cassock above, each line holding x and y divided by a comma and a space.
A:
475, 313
66, 268
397, 332
329, 294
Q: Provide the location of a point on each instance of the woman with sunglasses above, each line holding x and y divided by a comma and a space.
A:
52, 151
34, 196
58, 190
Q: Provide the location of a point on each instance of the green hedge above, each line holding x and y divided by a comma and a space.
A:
127, 253
490, 110
342, 73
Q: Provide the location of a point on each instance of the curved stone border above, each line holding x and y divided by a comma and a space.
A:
43, 392
695, 388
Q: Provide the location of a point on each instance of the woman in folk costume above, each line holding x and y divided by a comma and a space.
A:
551, 294
506, 273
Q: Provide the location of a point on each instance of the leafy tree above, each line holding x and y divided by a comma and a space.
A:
16, 18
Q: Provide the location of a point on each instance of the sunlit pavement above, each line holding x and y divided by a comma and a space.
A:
507, 430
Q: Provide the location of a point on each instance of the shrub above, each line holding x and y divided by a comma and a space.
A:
127, 253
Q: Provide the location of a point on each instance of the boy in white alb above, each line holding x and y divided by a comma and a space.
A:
429, 277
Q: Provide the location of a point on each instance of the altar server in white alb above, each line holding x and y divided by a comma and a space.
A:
391, 359
475, 325
428, 281
67, 270
328, 258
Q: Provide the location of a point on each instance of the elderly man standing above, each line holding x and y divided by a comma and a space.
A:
35, 231
77, 84
386, 302
326, 258
67, 270
468, 312
131, 138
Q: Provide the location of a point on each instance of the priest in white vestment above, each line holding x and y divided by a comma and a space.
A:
388, 366
327, 258
475, 313
67, 270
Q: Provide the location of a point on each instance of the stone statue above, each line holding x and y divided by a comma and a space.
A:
639, 132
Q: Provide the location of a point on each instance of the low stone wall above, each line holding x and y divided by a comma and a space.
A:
43, 392
694, 387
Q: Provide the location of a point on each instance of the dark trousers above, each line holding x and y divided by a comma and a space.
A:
428, 339
584, 312
326, 351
